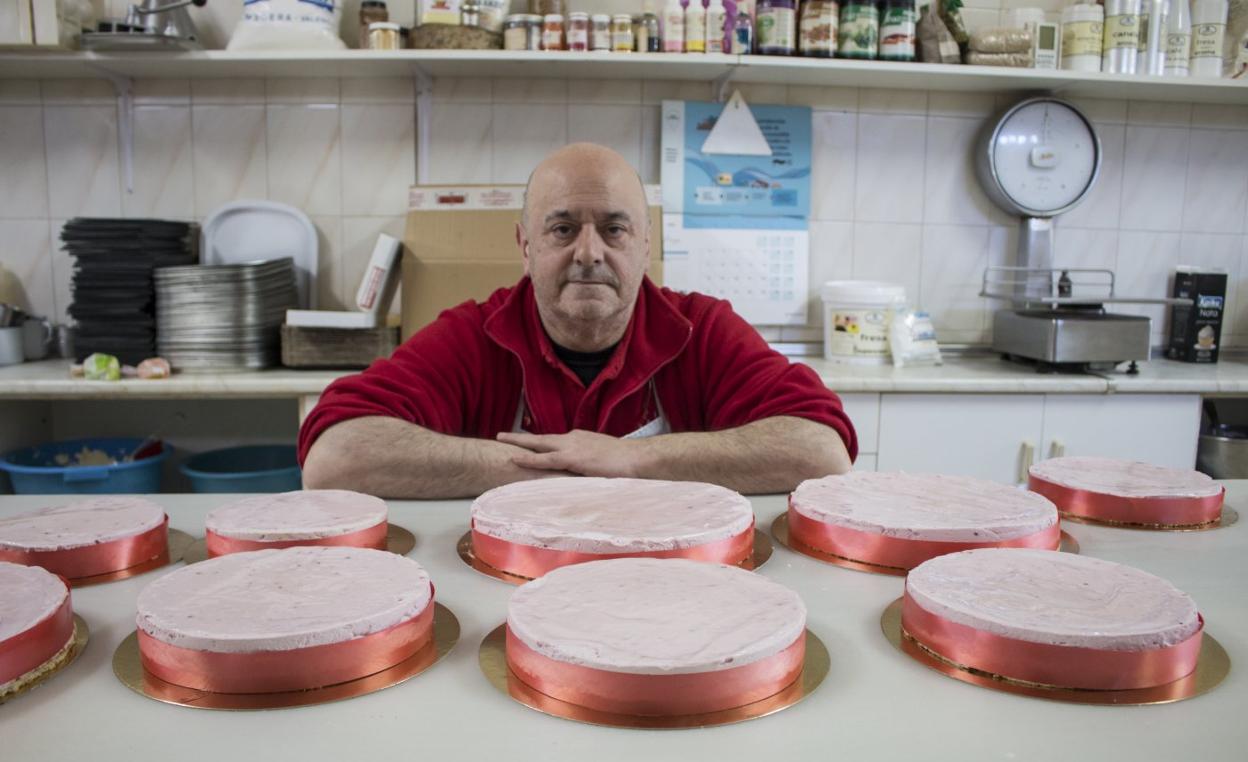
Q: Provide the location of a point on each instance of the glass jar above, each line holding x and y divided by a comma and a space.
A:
552, 32
371, 12
775, 26
817, 33
859, 34
578, 32
653, 41
600, 33
622, 33
383, 35
522, 31
470, 14
897, 28
546, 7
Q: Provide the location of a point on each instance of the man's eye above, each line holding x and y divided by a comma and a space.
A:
562, 230
616, 230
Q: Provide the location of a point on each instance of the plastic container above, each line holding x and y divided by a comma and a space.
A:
255, 468
35, 470
856, 318
1083, 30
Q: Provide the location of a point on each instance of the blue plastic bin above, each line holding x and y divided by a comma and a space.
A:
256, 468
34, 470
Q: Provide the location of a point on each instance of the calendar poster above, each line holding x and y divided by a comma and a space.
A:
736, 226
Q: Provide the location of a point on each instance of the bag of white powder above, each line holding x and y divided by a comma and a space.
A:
288, 25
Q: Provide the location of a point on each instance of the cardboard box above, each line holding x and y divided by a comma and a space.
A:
1196, 329
460, 244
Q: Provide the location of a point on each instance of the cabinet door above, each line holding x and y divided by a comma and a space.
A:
1162, 429
864, 412
989, 436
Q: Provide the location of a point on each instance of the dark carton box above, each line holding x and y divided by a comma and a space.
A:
1196, 329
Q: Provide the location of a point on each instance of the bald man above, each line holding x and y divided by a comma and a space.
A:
584, 367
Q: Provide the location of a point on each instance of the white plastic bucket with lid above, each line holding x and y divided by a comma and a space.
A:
856, 316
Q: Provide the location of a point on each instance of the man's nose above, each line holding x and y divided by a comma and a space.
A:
589, 247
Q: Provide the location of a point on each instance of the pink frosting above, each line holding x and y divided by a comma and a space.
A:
81, 523
1125, 478
28, 595
303, 515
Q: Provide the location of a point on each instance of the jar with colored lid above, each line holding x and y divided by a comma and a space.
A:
552, 32
383, 35
622, 33
578, 32
600, 33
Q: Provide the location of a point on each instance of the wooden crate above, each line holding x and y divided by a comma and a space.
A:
304, 347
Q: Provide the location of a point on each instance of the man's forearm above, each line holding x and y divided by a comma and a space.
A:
771, 455
388, 457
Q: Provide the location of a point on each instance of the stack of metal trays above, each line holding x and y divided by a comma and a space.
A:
223, 317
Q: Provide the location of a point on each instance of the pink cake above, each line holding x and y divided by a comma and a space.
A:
655, 636
1053, 618
899, 520
528, 528
307, 517
36, 623
280, 620
88, 537
1128, 492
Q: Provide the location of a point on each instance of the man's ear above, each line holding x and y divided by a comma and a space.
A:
523, 242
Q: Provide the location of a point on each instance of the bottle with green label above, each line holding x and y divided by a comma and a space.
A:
897, 30
859, 34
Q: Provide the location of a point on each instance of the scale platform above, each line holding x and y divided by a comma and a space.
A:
1071, 338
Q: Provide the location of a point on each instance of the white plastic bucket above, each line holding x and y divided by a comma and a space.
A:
856, 316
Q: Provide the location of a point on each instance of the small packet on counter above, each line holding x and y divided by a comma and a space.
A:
101, 367
1001, 40
912, 339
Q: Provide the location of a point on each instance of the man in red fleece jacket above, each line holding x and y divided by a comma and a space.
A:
583, 367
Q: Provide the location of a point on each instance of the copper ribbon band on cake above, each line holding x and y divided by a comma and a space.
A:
1056, 666
1157, 511
294, 670
656, 695
29, 649
101, 558
899, 552
370, 537
532, 562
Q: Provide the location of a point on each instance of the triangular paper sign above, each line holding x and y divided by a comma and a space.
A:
736, 132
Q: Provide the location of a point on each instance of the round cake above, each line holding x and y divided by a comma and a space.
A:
88, 537
649, 636
1052, 619
529, 528
282, 620
36, 623
308, 517
1128, 492
900, 520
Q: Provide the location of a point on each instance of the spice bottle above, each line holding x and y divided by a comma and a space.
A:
552, 32
1178, 39
859, 35
622, 33
371, 12
673, 27
600, 33
652, 42
716, 14
695, 27
776, 27
383, 35
1208, 33
742, 34
578, 32
897, 30
817, 29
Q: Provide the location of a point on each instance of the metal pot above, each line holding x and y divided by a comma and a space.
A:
1223, 457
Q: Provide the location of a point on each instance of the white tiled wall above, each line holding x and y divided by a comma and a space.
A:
894, 192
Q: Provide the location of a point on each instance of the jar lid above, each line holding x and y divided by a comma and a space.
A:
601, 17
372, 4
623, 17
390, 25
554, 17
578, 15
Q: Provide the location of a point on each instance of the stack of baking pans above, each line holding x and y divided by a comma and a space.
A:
112, 283
224, 316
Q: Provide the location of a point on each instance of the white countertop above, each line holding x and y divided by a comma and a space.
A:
50, 379
875, 704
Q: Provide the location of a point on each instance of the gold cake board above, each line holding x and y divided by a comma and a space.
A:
1229, 517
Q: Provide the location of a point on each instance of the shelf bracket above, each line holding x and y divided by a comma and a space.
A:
124, 87
719, 86
424, 121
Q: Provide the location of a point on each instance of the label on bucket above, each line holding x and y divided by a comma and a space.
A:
859, 333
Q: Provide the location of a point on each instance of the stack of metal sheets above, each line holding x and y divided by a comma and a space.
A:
223, 316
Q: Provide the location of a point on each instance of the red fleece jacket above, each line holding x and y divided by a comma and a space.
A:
464, 373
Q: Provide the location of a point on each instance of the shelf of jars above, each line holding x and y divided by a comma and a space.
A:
646, 66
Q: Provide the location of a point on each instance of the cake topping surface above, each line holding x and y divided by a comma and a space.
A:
81, 523
303, 515
28, 595
1125, 478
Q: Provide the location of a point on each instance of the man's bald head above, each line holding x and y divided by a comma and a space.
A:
583, 164
585, 237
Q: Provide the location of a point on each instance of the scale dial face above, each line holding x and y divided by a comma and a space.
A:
1040, 158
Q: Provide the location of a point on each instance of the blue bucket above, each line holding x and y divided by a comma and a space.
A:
256, 468
35, 470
